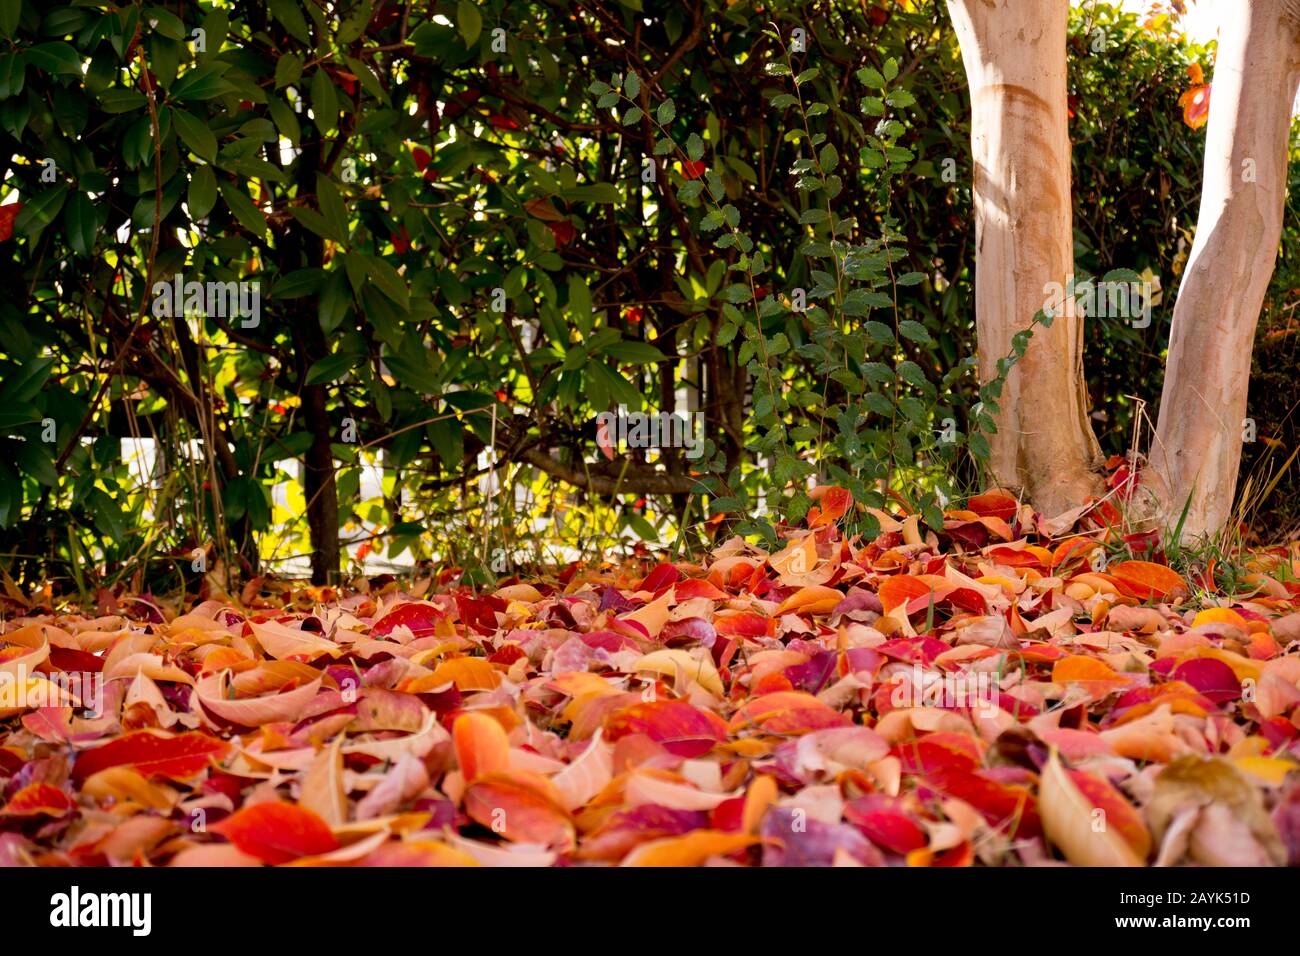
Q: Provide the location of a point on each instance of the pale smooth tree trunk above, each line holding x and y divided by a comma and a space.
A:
1197, 448
1014, 55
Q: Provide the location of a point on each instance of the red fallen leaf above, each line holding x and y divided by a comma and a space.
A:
1074, 549
507, 655
1148, 581
937, 752
38, 799
11, 761
153, 753
610, 641
680, 728
729, 815
833, 503
1003, 805
968, 599
479, 613
694, 168
787, 712
691, 588
563, 232
49, 723
773, 682
994, 504
67, 659
520, 809
913, 650
625, 829
1213, 678
1016, 557
793, 839
7, 215
1278, 731
883, 821
745, 624
420, 618
277, 832
661, 577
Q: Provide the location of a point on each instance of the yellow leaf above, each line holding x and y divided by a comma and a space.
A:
669, 662
1080, 829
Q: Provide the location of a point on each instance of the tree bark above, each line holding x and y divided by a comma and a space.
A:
320, 489
1014, 54
1194, 459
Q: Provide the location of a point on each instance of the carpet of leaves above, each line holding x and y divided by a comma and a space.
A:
983, 696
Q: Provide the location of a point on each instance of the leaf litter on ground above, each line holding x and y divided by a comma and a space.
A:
987, 695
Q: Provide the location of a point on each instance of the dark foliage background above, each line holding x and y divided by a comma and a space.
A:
382, 168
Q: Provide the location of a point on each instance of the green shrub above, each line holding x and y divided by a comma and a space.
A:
457, 250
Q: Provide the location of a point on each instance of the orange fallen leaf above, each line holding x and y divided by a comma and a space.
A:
481, 745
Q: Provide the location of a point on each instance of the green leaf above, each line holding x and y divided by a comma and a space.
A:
56, 58
315, 222
324, 101
911, 329
871, 77
118, 100
243, 209
829, 158
289, 14
288, 70
40, 211
82, 223
107, 514
632, 85
13, 74
285, 119
596, 192
331, 368
666, 112
469, 21
202, 194
634, 353
299, 283
196, 135
331, 205
388, 281
202, 83
10, 12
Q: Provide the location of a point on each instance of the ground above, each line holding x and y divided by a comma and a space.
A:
984, 696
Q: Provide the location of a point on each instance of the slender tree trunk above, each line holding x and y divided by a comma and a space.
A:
1197, 449
321, 493
1014, 54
